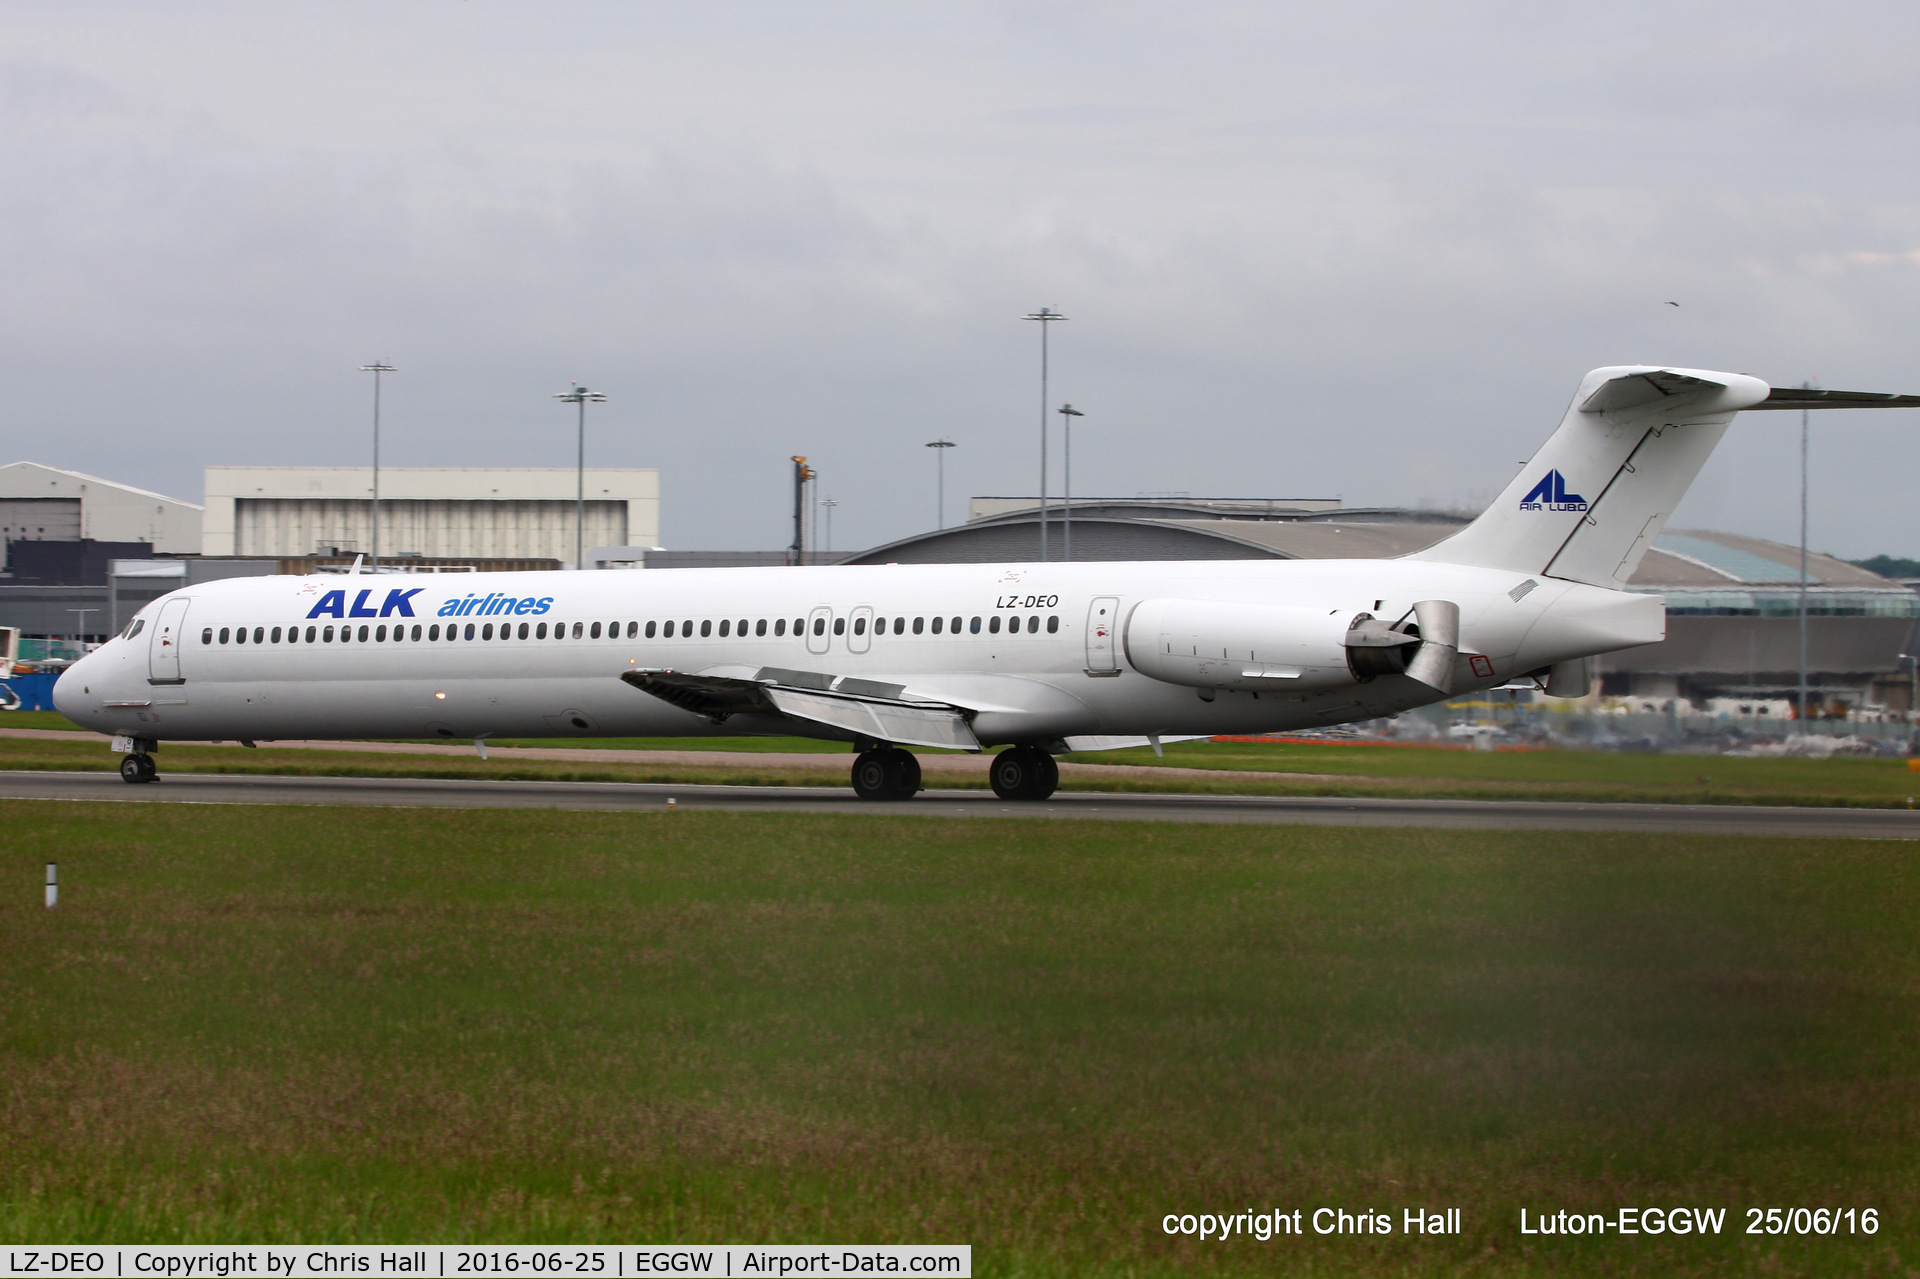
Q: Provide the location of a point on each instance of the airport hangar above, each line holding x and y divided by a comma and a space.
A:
81, 553
1732, 601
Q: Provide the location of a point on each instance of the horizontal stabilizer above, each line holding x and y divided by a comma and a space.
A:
1799, 397
1631, 390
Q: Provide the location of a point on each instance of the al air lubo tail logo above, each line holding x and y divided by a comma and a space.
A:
1550, 494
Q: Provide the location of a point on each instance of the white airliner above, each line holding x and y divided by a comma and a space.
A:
1040, 657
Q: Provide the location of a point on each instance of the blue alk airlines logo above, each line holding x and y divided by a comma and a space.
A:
1550, 494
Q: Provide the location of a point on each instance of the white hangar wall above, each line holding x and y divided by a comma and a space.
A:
47, 503
486, 512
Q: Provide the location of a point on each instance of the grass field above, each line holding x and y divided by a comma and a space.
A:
1214, 767
1037, 1037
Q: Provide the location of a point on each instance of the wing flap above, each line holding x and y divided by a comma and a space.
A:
865, 708
904, 723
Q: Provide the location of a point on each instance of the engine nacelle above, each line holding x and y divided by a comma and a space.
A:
1286, 647
1261, 647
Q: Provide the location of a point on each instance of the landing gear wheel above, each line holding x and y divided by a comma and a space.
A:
886, 773
138, 768
1024, 772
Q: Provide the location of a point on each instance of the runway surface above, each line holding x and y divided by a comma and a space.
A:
400, 792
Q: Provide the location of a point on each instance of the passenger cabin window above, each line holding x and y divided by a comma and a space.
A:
380, 634
240, 635
819, 626
859, 626
706, 628
760, 627
576, 630
899, 626
206, 636
310, 633
725, 626
225, 634
993, 624
973, 627
633, 629
743, 628
328, 634
276, 634
780, 626
839, 626
919, 625
594, 633
939, 624
651, 626
1053, 626
469, 630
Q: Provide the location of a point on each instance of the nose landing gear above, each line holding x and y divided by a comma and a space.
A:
886, 773
1024, 772
138, 767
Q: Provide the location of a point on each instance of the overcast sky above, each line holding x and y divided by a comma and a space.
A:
1363, 250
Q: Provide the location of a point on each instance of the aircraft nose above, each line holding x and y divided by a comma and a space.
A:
72, 695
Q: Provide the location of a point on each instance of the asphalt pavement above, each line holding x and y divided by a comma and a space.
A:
1458, 814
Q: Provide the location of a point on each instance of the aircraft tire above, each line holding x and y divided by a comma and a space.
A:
886, 773
1024, 772
138, 768
906, 782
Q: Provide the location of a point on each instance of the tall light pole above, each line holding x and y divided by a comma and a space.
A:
376, 368
1067, 414
580, 395
80, 636
940, 448
1046, 319
826, 534
1803, 562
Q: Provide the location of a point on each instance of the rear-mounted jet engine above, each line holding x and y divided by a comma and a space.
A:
1283, 647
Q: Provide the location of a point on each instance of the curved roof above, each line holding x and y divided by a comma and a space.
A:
1679, 558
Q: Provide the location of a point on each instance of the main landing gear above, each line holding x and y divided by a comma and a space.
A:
886, 773
138, 767
1024, 772
1021, 772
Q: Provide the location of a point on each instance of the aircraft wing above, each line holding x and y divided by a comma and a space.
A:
866, 708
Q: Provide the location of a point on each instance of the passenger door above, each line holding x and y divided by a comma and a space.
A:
1102, 616
819, 629
862, 625
163, 650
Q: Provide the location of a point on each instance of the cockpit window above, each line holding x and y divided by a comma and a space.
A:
139, 624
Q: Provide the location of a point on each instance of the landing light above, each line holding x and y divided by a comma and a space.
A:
440, 697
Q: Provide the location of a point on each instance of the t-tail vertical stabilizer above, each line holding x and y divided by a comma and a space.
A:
1596, 495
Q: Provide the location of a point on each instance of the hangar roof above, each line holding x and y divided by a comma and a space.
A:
1679, 559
